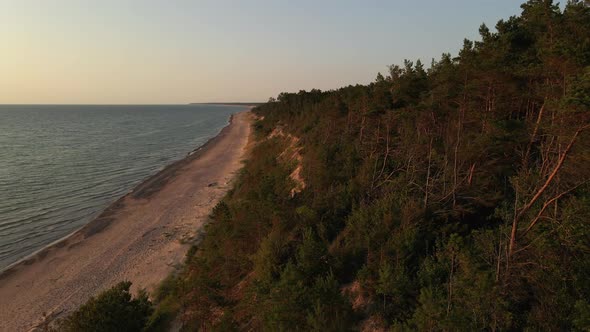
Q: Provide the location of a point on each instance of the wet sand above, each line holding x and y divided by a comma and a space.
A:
142, 237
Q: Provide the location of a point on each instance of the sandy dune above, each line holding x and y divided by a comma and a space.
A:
139, 238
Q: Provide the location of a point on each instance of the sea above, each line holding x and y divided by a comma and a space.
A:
61, 165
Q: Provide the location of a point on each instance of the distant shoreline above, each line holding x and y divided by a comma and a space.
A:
230, 104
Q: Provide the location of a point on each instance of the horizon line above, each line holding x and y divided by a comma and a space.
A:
132, 104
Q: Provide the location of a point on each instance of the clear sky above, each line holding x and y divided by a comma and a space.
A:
172, 51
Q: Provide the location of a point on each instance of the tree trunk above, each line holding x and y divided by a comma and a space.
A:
526, 207
426, 186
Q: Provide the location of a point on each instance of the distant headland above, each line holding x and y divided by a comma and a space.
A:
229, 104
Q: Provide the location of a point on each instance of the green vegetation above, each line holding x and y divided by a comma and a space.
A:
449, 198
112, 310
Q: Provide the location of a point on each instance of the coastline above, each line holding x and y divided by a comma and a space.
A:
144, 188
236, 104
175, 201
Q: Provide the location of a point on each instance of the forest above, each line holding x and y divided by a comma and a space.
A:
452, 196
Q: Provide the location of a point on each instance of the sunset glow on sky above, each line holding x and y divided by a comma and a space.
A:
109, 52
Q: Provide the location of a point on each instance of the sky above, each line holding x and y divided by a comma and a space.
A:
176, 52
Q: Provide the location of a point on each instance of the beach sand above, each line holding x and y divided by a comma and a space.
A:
141, 237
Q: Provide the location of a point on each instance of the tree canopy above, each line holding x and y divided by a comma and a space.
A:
453, 197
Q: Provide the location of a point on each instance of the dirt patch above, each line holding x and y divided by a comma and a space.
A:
291, 154
356, 294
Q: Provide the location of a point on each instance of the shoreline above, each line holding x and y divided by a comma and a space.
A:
101, 221
142, 236
234, 104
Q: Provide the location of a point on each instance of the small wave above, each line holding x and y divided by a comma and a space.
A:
65, 164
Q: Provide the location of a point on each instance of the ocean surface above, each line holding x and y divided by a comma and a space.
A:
61, 165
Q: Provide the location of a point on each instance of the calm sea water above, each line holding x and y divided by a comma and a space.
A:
60, 166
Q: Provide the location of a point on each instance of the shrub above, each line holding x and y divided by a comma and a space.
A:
113, 310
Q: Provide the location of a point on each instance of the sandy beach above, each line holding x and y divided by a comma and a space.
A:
142, 237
